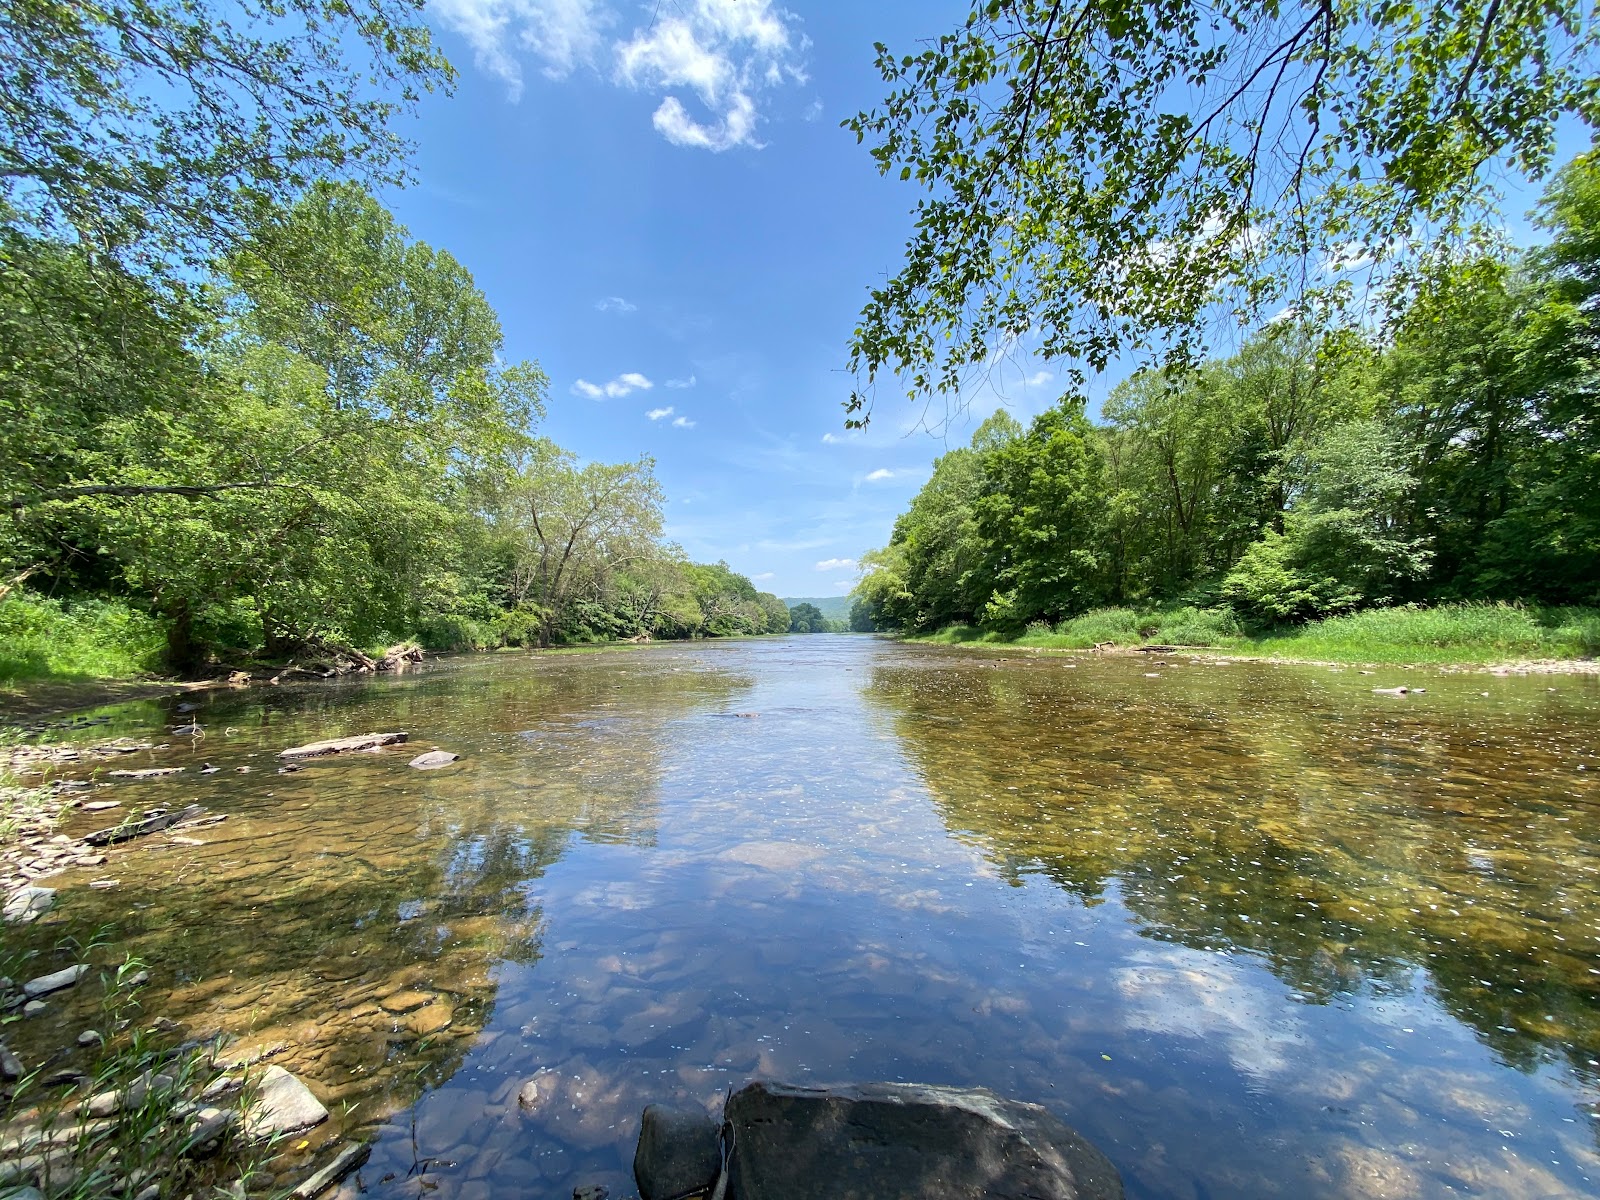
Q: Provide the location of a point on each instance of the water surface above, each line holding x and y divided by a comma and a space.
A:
1253, 929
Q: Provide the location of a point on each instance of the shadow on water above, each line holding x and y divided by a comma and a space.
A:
1254, 930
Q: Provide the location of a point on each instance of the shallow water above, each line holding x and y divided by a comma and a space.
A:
1253, 929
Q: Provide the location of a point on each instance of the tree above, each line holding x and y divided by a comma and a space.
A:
1041, 514
1346, 542
1106, 176
154, 133
572, 528
807, 618
777, 612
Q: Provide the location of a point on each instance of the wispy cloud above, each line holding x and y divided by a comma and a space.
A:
836, 439
836, 564
764, 576
655, 414
561, 34
616, 304
681, 383
1038, 379
880, 474
683, 422
724, 54
622, 385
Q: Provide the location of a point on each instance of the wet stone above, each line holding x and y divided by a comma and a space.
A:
888, 1140
283, 1105
28, 904
406, 1001
679, 1152
433, 760
43, 985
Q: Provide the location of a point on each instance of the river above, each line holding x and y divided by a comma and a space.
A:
1253, 929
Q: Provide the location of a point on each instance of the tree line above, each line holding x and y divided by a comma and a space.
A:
242, 411
1451, 453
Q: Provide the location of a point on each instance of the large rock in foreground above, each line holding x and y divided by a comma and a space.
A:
894, 1141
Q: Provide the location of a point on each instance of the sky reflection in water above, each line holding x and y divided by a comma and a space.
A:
1254, 930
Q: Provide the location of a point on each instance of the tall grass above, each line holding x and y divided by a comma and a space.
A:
42, 638
1446, 633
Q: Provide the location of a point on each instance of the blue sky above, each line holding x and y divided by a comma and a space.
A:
663, 194
660, 203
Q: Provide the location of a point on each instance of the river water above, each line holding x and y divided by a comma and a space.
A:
1254, 930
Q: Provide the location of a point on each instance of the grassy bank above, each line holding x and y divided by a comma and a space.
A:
1444, 634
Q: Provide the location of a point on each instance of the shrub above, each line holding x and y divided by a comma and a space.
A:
89, 639
450, 631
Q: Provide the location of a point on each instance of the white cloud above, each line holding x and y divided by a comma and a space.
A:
681, 383
880, 474
615, 304
622, 385
561, 34
725, 53
836, 439
836, 564
655, 414
683, 422
1038, 379
764, 576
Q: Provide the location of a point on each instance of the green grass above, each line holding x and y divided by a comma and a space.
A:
90, 639
1446, 633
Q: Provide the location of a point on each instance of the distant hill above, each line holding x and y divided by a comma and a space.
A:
835, 608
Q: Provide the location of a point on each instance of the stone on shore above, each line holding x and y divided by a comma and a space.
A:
28, 904
283, 1105
890, 1141
679, 1152
344, 745
145, 773
433, 760
43, 985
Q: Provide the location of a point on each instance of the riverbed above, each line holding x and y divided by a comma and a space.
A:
1256, 930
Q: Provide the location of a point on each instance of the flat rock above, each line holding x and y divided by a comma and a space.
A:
344, 745
433, 760
428, 1020
283, 1105
153, 823
343, 1163
144, 773
28, 904
679, 1152
53, 982
895, 1141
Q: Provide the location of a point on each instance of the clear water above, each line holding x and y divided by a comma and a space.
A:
1254, 930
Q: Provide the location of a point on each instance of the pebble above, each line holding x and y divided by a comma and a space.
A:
33, 1008
90, 1037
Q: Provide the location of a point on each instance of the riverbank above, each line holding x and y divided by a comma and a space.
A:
1493, 637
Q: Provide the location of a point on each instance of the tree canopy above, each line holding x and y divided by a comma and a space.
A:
1451, 457
1107, 178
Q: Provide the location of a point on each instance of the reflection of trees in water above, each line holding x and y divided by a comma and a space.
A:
1346, 845
346, 910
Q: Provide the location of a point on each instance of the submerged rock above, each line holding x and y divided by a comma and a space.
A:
344, 745
343, 1163
28, 904
433, 760
890, 1141
53, 982
145, 773
283, 1105
679, 1153
152, 823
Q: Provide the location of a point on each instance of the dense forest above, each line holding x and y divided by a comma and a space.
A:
243, 413
322, 451
1450, 454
